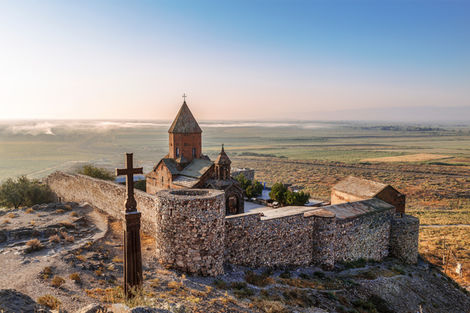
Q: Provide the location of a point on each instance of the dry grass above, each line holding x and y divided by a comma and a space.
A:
118, 260
57, 281
50, 301
46, 273
54, 238
75, 277
258, 280
451, 243
270, 306
67, 224
420, 157
436, 194
67, 237
34, 245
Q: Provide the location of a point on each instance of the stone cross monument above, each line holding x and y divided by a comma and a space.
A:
132, 250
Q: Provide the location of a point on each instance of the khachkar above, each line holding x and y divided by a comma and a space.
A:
132, 251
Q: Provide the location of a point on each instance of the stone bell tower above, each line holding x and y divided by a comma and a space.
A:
222, 166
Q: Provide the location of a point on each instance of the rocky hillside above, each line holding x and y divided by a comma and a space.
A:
68, 257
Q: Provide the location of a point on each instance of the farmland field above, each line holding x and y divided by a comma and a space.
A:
430, 163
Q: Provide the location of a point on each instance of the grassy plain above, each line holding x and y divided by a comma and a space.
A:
311, 154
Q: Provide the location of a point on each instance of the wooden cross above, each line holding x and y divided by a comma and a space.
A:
132, 250
184, 97
129, 171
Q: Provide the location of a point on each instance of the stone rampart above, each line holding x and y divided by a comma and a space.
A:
190, 230
324, 227
363, 237
404, 235
103, 195
252, 240
194, 235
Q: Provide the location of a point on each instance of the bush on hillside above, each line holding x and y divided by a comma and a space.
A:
96, 172
24, 192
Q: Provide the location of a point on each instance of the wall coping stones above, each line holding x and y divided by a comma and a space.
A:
189, 194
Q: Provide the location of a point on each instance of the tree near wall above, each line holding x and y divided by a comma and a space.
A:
96, 172
252, 188
284, 196
24, 192
278, 193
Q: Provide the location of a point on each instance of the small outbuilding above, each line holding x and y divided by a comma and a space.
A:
353, 189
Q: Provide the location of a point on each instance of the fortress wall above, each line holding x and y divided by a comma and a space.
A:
324, 228
365, 236
104, 195
253, 241
190, 230
404, 235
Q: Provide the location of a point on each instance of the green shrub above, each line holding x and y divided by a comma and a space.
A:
252, 188
281, 194
24, 192
278, 193
296, 198
141, 185
96, 172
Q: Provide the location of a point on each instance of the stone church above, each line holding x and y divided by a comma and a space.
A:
185, 166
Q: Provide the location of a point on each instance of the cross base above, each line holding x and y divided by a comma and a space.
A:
132, 254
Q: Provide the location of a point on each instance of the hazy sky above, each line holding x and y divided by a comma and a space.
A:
235, 59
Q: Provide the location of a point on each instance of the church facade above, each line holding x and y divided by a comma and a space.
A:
185, 166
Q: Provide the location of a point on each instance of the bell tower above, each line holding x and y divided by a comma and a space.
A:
185, 136
222, 165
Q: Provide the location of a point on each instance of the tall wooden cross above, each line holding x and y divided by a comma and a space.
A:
129, 171
132, 250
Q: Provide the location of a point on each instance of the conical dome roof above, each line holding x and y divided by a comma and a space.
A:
223, 158
185, 123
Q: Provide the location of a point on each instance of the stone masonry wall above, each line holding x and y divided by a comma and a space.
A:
404, 235
253, 241
190, 230
103, 195
194, 235
365, 236
324, 228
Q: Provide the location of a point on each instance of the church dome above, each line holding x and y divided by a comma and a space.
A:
223, 158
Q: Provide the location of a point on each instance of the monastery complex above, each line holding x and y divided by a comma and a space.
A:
195, 210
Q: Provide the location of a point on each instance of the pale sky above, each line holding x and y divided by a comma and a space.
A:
234, 59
